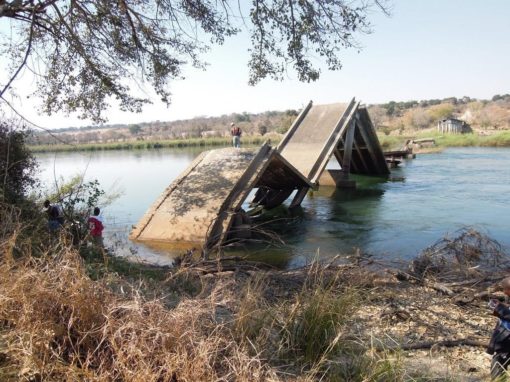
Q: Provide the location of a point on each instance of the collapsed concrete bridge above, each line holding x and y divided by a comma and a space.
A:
203, 206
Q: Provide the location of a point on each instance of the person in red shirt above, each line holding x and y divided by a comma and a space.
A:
96, 227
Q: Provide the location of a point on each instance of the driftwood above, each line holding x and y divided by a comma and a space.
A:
219, 265
446, 343
439, 287
449, 343
463, 296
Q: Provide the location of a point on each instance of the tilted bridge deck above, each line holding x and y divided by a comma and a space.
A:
200, 205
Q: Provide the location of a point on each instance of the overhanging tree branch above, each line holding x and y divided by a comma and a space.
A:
92, 48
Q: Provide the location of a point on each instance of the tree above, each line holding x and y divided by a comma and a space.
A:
86, 51
378, 116
262, 128
417, 118
441, 111
17, 165
134, 129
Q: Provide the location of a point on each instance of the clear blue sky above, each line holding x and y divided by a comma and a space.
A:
426, 49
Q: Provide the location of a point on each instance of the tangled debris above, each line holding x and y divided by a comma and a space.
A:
470, 254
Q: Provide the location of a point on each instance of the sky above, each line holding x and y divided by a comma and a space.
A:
426, 49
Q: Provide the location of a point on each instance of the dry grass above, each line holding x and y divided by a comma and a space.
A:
58, 324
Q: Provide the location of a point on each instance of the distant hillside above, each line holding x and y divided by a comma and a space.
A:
484, 116
392, 118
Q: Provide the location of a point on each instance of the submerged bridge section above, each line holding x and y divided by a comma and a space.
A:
321, 132
203, 206
359, 151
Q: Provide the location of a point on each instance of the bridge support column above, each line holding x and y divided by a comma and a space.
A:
299, 197
335, 178
349, 142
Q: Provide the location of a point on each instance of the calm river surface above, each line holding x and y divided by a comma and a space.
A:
441, 193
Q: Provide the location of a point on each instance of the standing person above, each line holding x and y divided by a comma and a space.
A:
499, 345
236, 135
96, 227
55, 215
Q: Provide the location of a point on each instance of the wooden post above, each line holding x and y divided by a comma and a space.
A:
362, 159
349, 140
298, 198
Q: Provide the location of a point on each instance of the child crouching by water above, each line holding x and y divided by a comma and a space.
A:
96, 228
499, 345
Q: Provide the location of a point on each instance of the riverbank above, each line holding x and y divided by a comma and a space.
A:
150, 144
70, 316
499, 139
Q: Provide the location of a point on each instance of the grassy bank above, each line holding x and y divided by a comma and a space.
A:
501, 139
151, 144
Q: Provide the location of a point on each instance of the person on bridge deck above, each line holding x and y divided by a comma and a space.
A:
235, 131
96, 227
499, 345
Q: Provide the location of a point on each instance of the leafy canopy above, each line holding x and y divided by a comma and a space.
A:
86, 52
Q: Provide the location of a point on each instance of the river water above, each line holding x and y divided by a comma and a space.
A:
430, 196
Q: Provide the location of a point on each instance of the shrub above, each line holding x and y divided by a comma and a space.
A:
17, 165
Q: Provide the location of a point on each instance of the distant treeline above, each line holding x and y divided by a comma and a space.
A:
200, 127
393, 107
235, 117
393, 118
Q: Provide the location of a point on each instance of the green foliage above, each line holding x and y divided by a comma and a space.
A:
244, 117
389, 142
101, 263
315, 320
441, 111
390, 108
134, 129
291, 113
454, 140
17, 165
503, 97
283, 129
361, 367
396, 108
